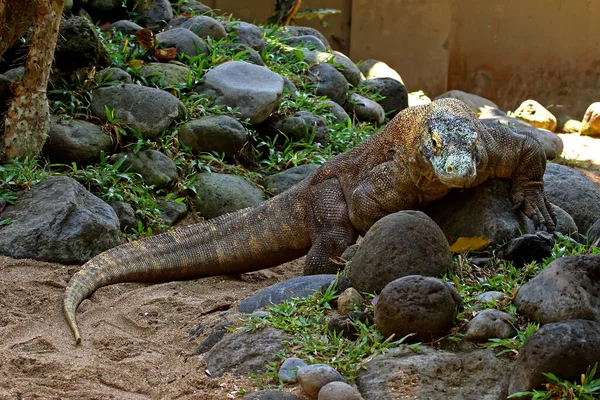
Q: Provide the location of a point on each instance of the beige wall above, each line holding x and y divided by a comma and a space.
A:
409, 35
542, 49
505, 50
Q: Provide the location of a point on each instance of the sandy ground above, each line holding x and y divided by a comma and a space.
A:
136, 337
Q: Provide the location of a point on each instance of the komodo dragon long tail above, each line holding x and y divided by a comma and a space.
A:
246, 240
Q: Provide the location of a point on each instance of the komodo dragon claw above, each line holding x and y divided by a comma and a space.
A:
530, 199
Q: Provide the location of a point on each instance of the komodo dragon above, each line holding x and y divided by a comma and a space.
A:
416, 159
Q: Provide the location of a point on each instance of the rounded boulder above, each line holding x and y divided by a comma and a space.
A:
421, 306
400, 244
220, 133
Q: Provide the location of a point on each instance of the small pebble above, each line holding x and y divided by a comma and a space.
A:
288, 372
338, 391
489, 297
490, 324
345, 325
313, 377
349, 300
261, 313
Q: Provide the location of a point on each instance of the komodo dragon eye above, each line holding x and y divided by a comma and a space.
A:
435, 139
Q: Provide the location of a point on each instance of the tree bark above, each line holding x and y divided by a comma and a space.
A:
28, 120
15, 18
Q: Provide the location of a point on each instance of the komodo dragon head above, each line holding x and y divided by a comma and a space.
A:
449, 135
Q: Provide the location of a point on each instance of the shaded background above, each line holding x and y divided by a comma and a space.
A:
505, 50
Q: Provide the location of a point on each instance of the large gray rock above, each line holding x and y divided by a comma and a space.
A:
58, 221
204, 27
573, 192
113, 74
150, 110
128, 220
195, 7
551, 142
364, 109
328, 81
14, 74
156, 168
288, 372
594, 233
289, 31
341, 61
76, 141
172, 211
568, 288
79, 46
565, 349
219, 194
394, 93
246, 33
389, 252
341, 116
420, 306
476, 103
254, 90
245, 353
282, 181
489, 324
372, 69
124, 26
434, 375
484, 210
536, 114
105, 10
166, 75
309, 41
184, 40
302, 286
590, 125
158, 15
313, 377
338, 391
220, 133
303, 125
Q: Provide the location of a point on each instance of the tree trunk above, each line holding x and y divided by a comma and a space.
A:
15, 18
27, 121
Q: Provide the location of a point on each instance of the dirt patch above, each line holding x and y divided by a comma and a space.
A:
136, 337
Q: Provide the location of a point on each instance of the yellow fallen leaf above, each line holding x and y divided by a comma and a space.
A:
466, 244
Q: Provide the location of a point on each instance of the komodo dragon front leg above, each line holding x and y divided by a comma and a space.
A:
520, 158
330, 229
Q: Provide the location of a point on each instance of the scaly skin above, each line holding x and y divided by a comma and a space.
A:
417, 158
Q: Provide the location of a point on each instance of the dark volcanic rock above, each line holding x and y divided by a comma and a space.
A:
418, 305
58, 221
388, 252
565, 349
568, 288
